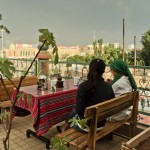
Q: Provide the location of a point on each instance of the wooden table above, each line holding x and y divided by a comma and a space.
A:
47, 108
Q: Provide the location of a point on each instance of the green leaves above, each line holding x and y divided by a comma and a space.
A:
52, 89
81, 122
59, 143
73, 121
145, 53
6, 67
56, 59
4, 114
3, 27
78, 59
20, 96
50, 41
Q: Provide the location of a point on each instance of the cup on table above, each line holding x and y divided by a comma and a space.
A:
76, 80
53, 85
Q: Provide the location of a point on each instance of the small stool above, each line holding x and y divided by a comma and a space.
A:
5, 107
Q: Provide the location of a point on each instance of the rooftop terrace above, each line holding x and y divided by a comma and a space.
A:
19, 141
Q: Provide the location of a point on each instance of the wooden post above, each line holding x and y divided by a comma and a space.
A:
134, 55
43, 55
123, 42
133, 121
91, 142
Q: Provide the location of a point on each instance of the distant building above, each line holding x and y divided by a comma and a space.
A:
131, 46
12, 46
24, 46
116, 45
29, 50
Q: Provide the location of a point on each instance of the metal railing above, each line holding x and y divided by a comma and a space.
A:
69, 70
22, 65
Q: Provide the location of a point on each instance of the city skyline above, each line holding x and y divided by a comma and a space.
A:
75, 22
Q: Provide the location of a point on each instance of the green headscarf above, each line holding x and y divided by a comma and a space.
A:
122, 69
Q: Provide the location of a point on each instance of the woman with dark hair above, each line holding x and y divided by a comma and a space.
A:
90, 92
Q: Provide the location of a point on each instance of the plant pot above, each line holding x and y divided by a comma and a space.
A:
20, 112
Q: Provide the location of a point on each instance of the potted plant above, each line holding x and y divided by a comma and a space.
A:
7, 69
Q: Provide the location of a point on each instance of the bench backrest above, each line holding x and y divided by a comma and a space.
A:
108, 108
29, 80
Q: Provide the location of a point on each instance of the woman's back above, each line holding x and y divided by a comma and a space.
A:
84, 99
90, 92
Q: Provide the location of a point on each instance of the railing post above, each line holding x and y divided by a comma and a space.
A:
44, 55
134, 55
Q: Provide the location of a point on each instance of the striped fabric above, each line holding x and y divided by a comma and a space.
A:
47, 110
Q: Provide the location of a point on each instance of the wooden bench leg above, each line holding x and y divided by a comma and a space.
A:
110, 136
132, 129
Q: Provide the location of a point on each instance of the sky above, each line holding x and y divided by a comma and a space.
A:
75, 22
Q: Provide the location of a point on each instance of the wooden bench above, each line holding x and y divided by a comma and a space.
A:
29, 80
5, 102
99, 112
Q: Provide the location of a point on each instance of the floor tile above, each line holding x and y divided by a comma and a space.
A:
19, 141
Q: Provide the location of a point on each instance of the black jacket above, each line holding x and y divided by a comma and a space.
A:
103, 92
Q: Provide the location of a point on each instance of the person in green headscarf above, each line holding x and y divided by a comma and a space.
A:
122, 83
119, 69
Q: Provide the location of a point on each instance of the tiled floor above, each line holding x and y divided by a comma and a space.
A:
19, 141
